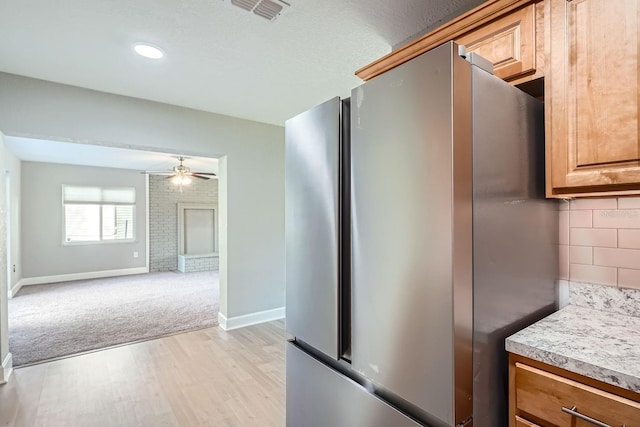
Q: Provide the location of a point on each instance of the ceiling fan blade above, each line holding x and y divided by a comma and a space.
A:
205, 173
199, 176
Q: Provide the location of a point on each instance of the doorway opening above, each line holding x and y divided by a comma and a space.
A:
101, 294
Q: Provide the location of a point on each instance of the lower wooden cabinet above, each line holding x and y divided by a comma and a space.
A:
521, 422
545, 396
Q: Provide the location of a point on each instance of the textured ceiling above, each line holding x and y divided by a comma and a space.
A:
219, 58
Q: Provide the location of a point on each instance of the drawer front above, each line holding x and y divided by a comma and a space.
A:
521, 422
543, 395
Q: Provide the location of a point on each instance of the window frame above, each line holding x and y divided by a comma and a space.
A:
100, 204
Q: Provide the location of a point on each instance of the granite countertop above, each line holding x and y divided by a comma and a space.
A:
598, 344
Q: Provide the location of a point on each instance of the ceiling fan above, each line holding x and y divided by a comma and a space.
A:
181, 175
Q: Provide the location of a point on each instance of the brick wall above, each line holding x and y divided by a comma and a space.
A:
200, 264
163, 216
600, 241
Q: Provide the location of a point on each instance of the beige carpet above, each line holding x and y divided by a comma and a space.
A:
50, 321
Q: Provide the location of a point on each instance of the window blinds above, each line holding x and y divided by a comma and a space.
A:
102, 195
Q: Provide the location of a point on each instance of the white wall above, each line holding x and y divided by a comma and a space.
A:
251, 181
43, 219
13, 166
8, 163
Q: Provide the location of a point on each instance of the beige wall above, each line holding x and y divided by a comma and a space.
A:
600, 241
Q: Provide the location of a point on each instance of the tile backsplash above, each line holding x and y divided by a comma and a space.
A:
600, 241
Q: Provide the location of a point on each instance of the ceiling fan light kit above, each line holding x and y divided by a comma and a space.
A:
181, 175
181, 180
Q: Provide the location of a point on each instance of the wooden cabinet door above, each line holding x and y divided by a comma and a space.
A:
508, 42
591, 92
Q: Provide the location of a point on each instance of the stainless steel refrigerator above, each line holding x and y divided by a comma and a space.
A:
417, 239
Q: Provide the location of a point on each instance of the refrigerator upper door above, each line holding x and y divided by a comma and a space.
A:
411, 221
312, 167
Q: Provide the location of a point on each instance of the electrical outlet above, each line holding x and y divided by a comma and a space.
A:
135, 254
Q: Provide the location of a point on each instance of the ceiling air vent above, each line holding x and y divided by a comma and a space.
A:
245, 4
268, 9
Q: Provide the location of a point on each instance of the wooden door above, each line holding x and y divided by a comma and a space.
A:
591, 92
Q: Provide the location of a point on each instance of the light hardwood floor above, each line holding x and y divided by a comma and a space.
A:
202, 378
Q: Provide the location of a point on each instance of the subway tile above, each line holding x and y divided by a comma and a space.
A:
607, 238
593, 274
629, 203
563, 205
612, 257
582, 218
581, 255
564, 228
629, 239
563, 257
628, 278
578, 204
626, 218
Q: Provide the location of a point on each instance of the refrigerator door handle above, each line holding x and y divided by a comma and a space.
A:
344, 251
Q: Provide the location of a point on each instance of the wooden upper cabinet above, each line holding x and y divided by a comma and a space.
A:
509, 33
592, 98
510, 42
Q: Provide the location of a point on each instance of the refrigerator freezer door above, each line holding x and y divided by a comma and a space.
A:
312, 168
411, 221
318, 396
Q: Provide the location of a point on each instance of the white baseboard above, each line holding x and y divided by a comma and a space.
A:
228, 324
27, 281
15, 288
7, 368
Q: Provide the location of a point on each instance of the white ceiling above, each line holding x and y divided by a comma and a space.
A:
219, 58
37, 150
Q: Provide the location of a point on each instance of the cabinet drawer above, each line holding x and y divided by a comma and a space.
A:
521, 422
543, 395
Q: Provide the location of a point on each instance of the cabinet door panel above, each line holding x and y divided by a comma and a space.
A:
509, 43
603, 83
592, 97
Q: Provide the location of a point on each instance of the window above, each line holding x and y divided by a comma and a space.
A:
98, 214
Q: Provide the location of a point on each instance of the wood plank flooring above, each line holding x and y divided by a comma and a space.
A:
202, 378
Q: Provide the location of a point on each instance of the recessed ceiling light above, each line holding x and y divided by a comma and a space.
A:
148, 50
